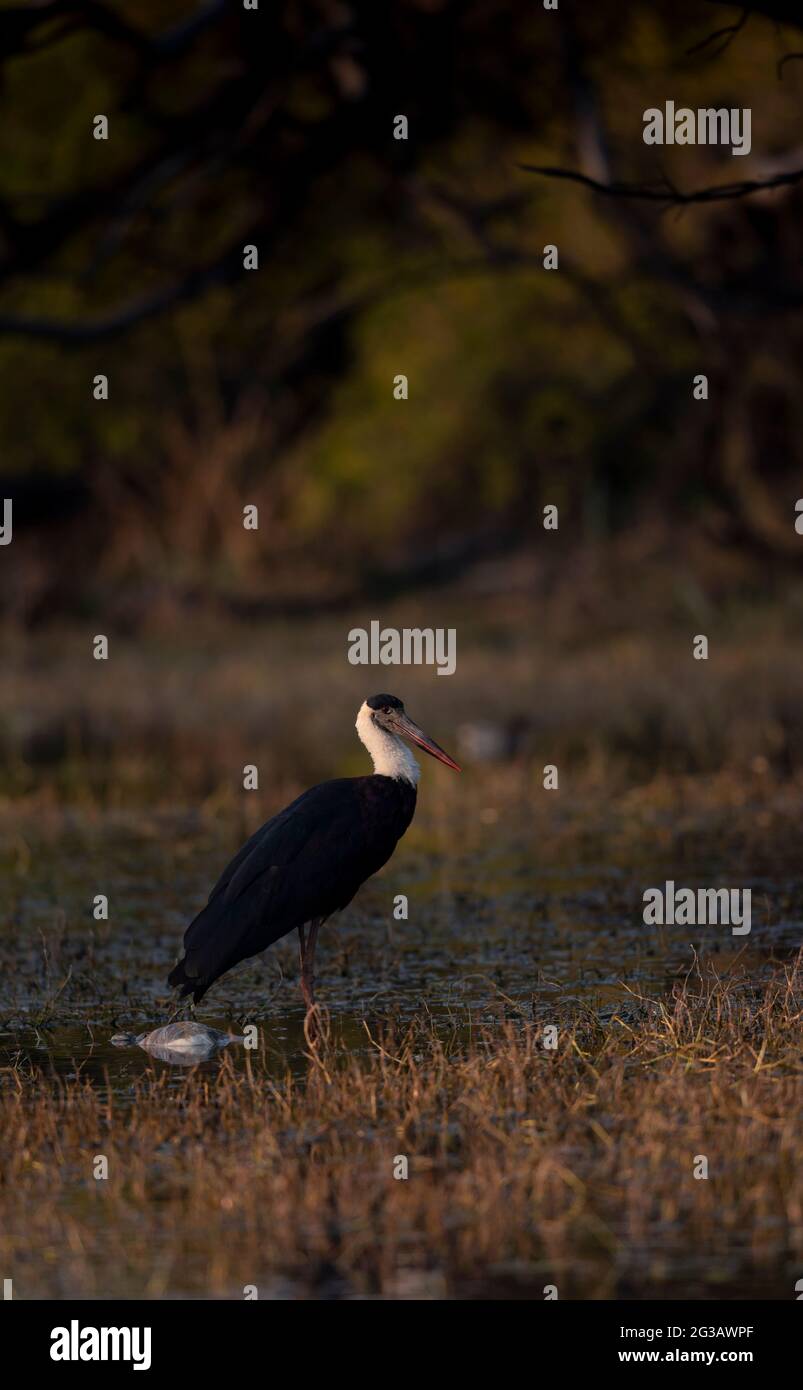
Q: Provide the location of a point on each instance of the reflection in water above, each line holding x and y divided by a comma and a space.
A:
183, 1044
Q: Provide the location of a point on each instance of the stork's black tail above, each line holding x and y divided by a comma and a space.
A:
207, 954
179, 979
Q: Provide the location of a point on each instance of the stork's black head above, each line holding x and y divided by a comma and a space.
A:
384, 702
388, 713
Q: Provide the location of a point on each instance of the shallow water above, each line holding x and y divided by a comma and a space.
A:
489, 936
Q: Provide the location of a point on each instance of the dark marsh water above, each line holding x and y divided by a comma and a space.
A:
493, 932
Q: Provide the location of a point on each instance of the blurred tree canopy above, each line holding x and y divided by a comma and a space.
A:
527, 386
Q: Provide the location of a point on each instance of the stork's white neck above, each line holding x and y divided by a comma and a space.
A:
390, 755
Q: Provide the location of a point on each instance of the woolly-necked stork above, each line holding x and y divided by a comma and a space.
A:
309, 860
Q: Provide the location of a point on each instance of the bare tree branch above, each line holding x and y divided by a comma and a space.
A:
781, 64
71, 334
665, 192
18, 26
781, 11
728, 33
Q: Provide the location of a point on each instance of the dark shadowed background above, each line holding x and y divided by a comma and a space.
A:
380, 256
273, 387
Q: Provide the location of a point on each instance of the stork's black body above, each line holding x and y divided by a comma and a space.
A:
309, 860
301, 866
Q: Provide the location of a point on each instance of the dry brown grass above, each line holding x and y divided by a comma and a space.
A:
527, 1166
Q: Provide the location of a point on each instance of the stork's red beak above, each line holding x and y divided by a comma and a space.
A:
407, 729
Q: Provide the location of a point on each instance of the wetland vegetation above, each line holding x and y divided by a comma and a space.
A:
527, 1166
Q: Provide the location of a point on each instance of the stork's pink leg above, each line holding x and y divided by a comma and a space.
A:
307, 953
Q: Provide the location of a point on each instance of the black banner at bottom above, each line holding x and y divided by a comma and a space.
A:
200, 1339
